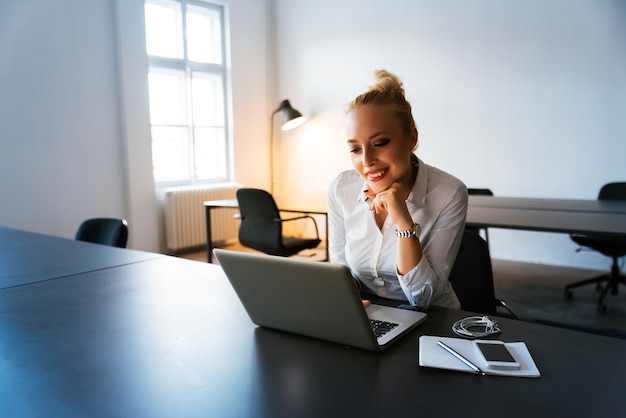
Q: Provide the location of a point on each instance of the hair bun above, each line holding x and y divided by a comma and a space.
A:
387, 91
387, 82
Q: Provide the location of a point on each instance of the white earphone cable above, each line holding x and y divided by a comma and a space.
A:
475, 327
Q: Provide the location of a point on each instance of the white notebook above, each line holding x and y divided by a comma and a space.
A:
432, 355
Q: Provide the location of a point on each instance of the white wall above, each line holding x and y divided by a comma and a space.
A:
74, 128
61, 149
526, 98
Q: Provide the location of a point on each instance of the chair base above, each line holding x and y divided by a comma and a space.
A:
612, 282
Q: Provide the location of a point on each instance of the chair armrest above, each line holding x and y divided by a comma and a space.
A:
516, 311
317, 234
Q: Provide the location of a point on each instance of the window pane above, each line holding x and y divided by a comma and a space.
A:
170, 154
204, 35
167, 97
210, 153
187, 91
207, 99
164, 29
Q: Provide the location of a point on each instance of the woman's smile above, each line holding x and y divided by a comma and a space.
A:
376, 175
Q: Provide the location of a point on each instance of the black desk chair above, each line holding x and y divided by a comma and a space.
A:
105, 231
262, 227
472, 279
614, 247
479, 192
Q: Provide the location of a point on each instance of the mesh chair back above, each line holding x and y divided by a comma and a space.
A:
260, 226
472, 276
609, 246
105, 231
479, 192
613, 191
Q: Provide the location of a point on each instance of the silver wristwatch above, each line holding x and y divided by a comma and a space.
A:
414, 232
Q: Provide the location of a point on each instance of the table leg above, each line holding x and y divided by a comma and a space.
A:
326, 218
209, 242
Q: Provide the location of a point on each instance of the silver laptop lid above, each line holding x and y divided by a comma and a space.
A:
305, 297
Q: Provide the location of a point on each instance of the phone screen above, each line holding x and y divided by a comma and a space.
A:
496, 352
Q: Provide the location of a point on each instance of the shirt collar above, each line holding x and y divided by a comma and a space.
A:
362, 197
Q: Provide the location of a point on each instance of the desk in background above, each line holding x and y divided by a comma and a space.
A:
310, 203
168, 337
548, 215
533, 214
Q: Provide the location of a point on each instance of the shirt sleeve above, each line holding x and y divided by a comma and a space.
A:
336, 227
428, 280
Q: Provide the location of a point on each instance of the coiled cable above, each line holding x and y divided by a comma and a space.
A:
475, 327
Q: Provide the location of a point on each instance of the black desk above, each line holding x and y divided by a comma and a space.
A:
168, 337
27, 257
548, 215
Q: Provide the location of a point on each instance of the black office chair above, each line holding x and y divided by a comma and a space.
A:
479, 192
105, 231
614, 247
472, 279
262, 227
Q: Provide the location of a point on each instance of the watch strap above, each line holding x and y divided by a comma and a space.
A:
413, 232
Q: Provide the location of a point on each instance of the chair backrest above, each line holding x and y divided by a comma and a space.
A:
105, 231
479, 192
613, 191
260, 228
472, 276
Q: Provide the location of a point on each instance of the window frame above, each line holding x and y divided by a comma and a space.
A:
188, 67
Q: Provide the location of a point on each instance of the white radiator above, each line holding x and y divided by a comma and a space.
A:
185, 225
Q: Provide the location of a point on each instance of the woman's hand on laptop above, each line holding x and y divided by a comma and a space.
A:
366, 303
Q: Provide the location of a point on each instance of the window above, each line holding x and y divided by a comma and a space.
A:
187, 83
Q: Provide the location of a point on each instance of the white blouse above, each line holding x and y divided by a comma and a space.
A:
438, 202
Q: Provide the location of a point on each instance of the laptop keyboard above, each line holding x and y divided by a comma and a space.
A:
381, 327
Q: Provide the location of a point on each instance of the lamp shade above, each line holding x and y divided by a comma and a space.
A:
291, 117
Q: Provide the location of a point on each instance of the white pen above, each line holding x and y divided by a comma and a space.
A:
460, 357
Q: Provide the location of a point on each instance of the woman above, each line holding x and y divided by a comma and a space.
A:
395, 221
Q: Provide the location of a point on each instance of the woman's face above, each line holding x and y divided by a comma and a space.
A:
379, 148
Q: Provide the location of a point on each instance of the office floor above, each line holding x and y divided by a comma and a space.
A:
539, 290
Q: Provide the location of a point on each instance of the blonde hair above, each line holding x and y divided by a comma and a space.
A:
387, 91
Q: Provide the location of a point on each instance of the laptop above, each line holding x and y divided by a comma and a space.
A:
312, 298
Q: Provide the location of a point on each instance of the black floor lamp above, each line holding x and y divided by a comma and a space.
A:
291, 119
